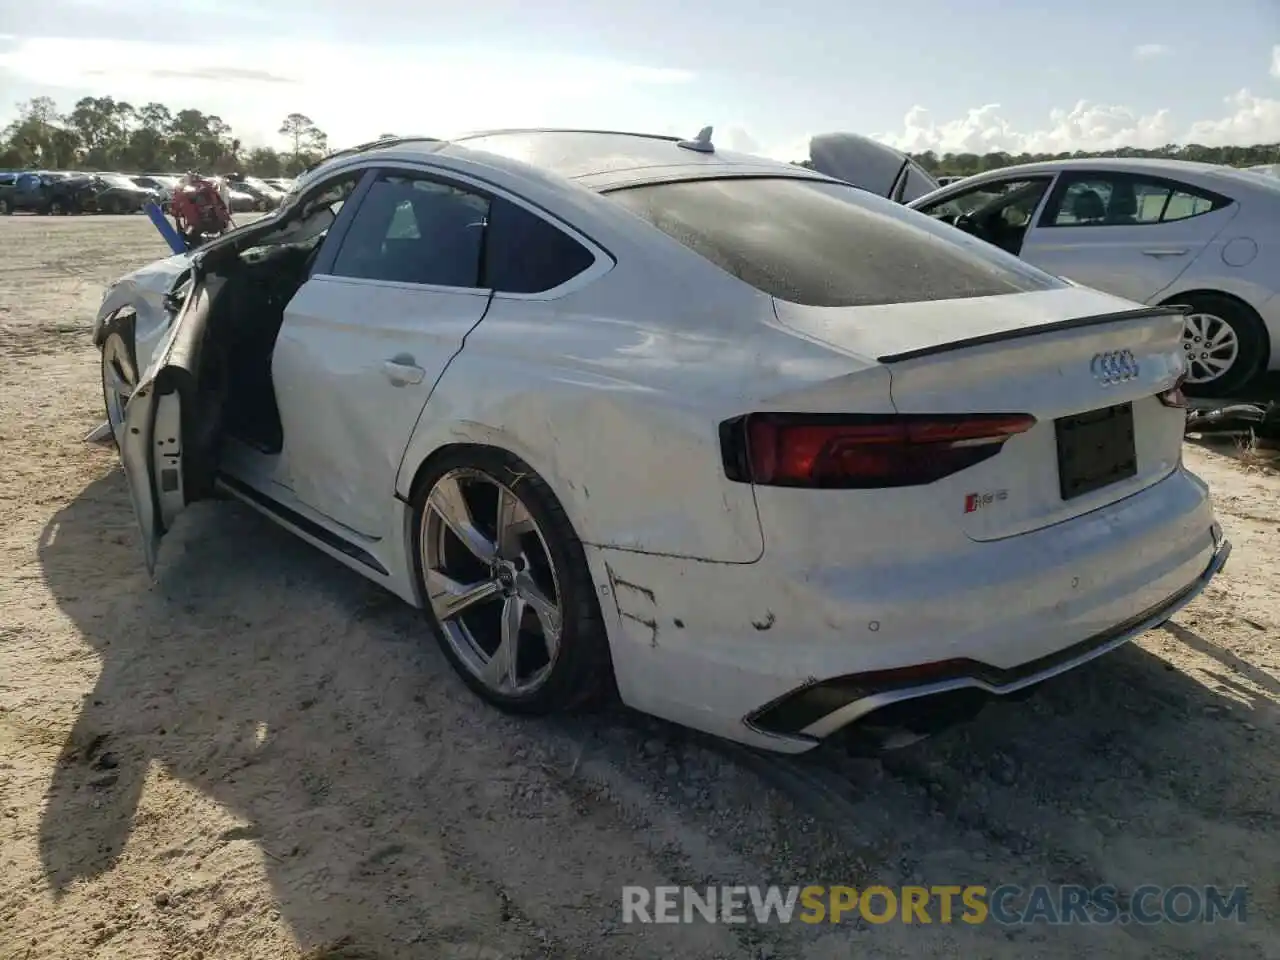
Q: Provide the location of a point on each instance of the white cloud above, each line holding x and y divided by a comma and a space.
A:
1275, 61
353, 91
737, 138
1248, 119
1151, 51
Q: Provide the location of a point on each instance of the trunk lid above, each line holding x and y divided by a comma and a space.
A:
1055, 355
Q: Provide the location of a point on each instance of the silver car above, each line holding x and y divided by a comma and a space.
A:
1155, 231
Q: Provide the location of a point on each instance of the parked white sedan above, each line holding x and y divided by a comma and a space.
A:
1155, 231
766, 454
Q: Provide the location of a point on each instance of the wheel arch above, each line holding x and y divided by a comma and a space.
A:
115, 318
419, 461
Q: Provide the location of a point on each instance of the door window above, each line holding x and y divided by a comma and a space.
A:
415, 230
918, 184
1120, 199
989, 196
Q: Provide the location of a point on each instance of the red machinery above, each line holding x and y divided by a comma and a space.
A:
198, 211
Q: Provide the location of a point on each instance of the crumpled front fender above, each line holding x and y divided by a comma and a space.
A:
142, 293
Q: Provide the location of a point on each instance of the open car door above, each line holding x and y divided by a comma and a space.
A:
168, 442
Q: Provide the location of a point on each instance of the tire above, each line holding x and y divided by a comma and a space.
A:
117, 348
580, 675
5, 208
56, 208
1207, 317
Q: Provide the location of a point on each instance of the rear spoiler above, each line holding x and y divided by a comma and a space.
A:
1140, 313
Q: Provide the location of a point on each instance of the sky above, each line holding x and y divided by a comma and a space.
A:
980, 76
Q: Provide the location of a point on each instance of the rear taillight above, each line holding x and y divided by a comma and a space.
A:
861, 451
1174, 397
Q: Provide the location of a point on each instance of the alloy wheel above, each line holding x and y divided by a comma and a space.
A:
491, 582
1211, 347
119, 378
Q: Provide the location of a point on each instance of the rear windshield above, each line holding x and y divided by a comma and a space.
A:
824, 244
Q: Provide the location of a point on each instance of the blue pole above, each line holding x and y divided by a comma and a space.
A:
171, 237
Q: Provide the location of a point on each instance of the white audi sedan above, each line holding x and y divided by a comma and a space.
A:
1163, 232
759, 452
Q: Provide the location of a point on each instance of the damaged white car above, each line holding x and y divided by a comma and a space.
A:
765, 454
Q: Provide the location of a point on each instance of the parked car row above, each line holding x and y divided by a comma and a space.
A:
54, 192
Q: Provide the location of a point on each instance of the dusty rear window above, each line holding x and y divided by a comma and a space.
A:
826, 244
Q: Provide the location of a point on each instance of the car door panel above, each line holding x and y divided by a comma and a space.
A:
354, 365
1136, 261
167, 446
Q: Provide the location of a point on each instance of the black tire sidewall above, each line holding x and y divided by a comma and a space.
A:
1250, 335
583, 674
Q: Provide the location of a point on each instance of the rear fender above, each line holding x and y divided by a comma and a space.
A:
633, 470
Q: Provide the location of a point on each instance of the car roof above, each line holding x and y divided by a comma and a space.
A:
1152, 166
596, 159
595, 154
1208, 175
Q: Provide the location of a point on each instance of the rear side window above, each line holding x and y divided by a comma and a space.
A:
1123, 199
824, 244
524, 253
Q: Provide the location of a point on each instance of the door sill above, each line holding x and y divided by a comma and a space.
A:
299, 521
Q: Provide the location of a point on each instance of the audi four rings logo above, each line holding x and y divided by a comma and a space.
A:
1114, 366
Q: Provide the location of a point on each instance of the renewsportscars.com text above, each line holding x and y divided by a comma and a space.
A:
1007, 904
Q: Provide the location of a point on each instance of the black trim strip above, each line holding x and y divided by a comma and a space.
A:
1074, 323
305, 524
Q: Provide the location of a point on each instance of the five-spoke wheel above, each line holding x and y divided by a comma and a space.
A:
507, 585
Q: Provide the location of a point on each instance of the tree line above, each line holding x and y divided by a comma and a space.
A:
102, 133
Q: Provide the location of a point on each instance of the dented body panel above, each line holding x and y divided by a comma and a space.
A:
705, 645
142, 294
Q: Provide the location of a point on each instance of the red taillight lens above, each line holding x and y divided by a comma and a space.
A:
1174, 397
852, 452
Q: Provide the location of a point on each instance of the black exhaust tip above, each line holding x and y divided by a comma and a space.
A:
901, 724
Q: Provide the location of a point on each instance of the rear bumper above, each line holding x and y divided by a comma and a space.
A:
818, 710
778, 654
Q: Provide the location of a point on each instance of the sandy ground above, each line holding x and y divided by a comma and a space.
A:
261, 755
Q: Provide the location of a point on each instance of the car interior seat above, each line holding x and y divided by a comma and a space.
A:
1087, 207
1122, 208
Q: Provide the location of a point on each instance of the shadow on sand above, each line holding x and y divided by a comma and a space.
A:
309, 704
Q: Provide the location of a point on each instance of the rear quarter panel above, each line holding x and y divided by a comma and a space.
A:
1244, 262
621, 414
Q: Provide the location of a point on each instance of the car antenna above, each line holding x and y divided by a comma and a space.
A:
701, 143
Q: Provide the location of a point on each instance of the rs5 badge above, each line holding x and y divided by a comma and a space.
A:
973, 502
